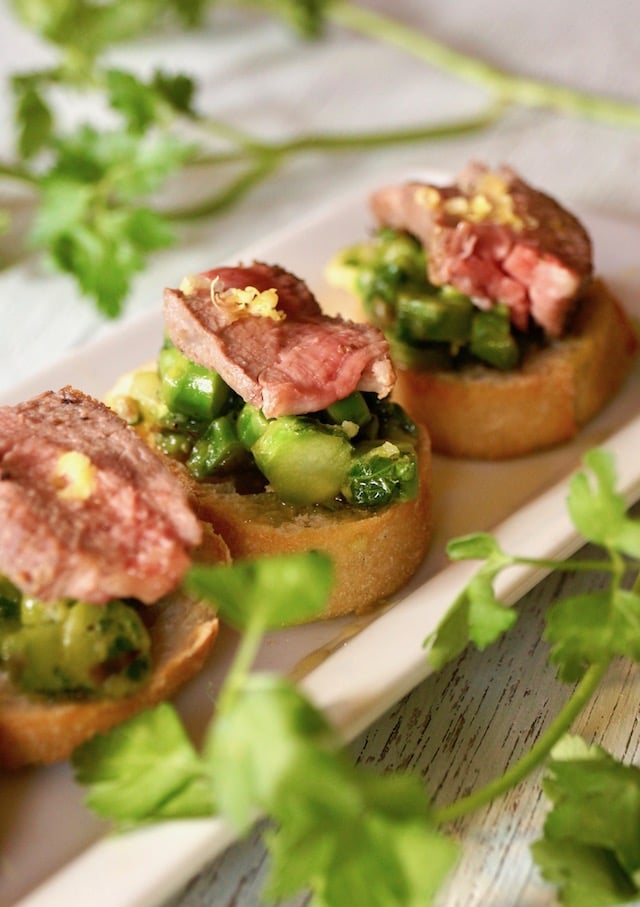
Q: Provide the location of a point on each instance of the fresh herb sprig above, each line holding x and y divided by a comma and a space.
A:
100, 203
358, 839
590, 842
361, 839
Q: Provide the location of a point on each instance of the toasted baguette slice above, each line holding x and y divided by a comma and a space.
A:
483, 413
374, 552
34, 730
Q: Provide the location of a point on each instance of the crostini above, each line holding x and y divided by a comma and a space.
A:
277, 419
95, 537
504, 340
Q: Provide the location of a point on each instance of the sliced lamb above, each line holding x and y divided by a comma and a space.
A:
87, 510
278, 350
496, 239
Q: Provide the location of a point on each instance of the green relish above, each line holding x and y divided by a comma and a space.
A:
427, 326
359, 452
70, 648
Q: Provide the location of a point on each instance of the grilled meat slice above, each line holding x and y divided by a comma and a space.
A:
498, 240
87, 510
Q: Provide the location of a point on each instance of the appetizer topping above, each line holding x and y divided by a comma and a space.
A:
250, 301
428, 327
71, 647
129, 537
497, 240
489, 202
282, 365
359, 451
237, 302
74, 476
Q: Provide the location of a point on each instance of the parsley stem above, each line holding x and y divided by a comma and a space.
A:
509, 87
268, 156
230, 194
567, 566
249, 643
538, 752
16, 172
356, 141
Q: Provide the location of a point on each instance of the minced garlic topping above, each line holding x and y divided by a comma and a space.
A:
491, 203
238, 302
75, 474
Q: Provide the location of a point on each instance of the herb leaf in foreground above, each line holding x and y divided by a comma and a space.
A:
144, 769
590, 628
358, 839
34, 120
272, 592
598, 511
477, 615
384, 849
253, 745
590, 849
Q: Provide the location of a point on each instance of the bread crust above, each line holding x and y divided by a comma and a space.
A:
374, 552
36, 731
39, 731
478, 412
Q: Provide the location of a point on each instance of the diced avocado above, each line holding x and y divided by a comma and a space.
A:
431, 356
10, 598
137, 398
250, 425
303, 461
440, 318
189, 388
492, 340
74, 648
353, 409
218, 449
402, 253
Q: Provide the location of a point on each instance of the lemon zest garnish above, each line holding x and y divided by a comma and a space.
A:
190, 284
248, 301
427, 197
76, 476
491, 203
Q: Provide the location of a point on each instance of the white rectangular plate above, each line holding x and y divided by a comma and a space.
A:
52, 851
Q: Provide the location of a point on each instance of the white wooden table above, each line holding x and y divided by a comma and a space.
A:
460, 727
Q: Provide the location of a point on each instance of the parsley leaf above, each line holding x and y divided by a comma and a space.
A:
598, 511
383, 850
590, 628
146, 768
91, 221
358, 839
143, 104
33, 116
477, 615
253, 744
307, 17
89, 27
273, 591
589, 849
